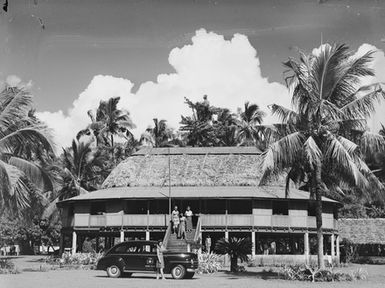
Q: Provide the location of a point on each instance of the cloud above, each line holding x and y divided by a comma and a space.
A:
228, 71
66, 125
378, 65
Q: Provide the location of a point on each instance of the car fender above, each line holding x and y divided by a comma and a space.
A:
111, 260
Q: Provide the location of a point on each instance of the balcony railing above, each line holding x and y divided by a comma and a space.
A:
207, 220
247, 220
118, 220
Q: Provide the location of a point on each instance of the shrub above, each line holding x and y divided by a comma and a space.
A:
209, 263
311, 273
7, 267
236, 248
359, 274
77, 259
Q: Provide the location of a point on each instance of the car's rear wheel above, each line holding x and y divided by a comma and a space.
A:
114, 271
189, 275
178, 272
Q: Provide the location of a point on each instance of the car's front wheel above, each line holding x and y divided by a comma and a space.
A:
178, 272
114, 271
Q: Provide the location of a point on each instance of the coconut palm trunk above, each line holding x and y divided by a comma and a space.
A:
318, 195
233, 264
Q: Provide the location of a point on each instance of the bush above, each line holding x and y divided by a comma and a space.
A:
311, 273
376, 260
209, 263
77, 259
7, 267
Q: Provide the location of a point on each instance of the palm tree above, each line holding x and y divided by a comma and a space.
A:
225, 127
108, 122
198, 129
236, 248
24, 141
248, 133
81, 168
159, 135
317, 145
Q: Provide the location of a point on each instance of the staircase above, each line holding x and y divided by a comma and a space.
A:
180, 245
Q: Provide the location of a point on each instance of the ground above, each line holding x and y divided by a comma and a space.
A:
94, 279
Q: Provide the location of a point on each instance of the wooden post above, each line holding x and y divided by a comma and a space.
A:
332, 242
61, 245
306, 246
74, 240
121, 236
338, 249
253, 243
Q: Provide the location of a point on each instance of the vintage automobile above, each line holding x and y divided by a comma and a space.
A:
140, 256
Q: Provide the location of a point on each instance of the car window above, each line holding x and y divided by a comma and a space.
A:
120, 249
147, 248
132, 248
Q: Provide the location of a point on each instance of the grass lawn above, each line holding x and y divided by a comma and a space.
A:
254, 277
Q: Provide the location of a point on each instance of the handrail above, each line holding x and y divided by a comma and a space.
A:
167, 235
198, 230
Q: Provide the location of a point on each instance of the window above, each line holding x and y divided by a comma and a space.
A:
311, 211
159, 207
240, 207
148, 248
98, 208
136, 207
217, 206
280, 208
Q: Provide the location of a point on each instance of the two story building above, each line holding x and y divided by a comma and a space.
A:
220, 184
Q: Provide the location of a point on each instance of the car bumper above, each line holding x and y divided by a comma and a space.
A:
192, 270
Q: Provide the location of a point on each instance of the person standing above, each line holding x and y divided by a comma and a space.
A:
182, 227
160, 260
208, 243
175, 219
189, 215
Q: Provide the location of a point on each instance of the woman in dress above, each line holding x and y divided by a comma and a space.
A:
175, 219
182, 227
188, 215
160, 260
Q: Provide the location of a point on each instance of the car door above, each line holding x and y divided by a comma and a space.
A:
132, 257
148, 256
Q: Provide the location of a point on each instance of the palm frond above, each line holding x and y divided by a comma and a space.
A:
39, 136
33, 172
281, 154
371, 143
312, 152
359, 106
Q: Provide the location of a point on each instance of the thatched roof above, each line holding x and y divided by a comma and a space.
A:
216, 166
363, 231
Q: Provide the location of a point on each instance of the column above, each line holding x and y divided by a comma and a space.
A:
227, 261
306, 248
121, 236
61, 243
338, 248
332, 248
147, 235
74, 240
253, 243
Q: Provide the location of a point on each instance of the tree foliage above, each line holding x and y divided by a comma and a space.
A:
316, 143
236, 248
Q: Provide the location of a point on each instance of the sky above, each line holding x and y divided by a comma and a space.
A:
153, 53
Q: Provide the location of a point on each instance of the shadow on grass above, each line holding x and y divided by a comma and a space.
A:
140, 276
264, 275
